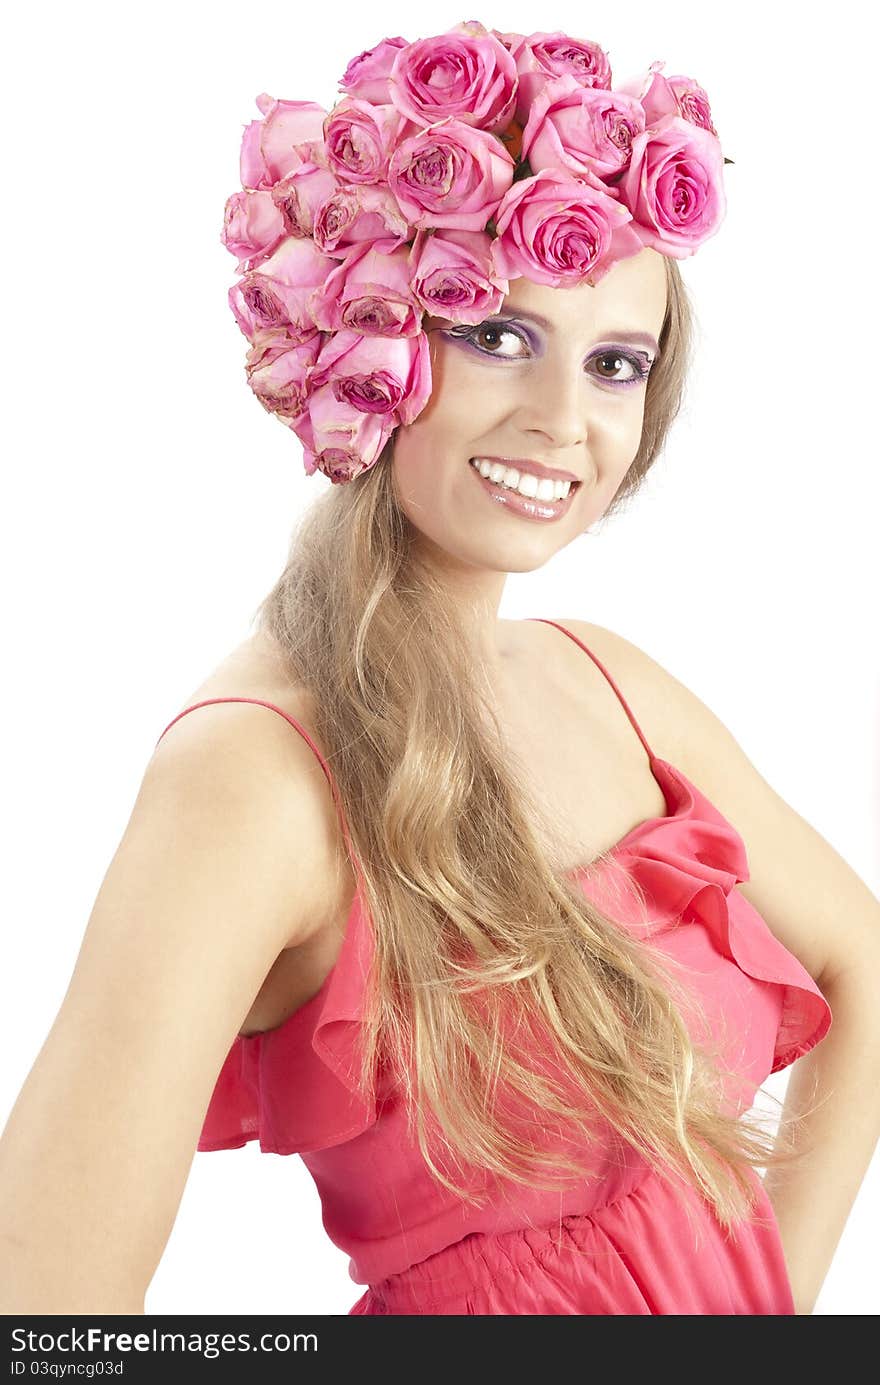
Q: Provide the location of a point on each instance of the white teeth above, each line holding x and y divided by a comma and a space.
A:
523, 482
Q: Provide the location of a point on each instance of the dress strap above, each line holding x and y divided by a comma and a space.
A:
623, 702
260, 702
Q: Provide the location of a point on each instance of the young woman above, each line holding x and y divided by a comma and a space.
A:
492, 922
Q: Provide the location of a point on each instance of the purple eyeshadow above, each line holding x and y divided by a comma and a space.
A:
640, 361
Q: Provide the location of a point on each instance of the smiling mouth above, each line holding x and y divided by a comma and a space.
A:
535, 508
539, 488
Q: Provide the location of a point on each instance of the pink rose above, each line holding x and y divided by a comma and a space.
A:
277, 293
543, 56
693, 103
376, 375
674, 186
579, 129
452, 275
661, 97
252, 227
277, 369
557, 230
339, 440
268, 146
451, 175
300, 194
366, 76
353, 214
465, 73
369, 292
359, 138
510, 41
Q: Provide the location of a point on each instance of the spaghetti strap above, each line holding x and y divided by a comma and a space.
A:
260, 702
623, 702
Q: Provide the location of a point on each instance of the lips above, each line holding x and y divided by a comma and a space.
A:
531, 508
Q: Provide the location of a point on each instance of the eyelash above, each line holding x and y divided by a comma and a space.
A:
641, 367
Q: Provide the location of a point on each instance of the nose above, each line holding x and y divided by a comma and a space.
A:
554, 405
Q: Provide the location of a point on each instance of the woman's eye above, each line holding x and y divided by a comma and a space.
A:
617, 361
487, 335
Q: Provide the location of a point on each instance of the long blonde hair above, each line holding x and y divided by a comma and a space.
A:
486, 955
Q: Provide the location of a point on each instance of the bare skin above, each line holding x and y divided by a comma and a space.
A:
557, 713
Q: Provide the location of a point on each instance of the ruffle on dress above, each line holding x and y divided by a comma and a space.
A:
690, 863
294, 1087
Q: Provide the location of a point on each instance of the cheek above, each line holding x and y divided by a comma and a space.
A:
617, 433
418, 467
460, 411
466, 396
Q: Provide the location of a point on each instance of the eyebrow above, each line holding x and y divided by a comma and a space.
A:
633, 338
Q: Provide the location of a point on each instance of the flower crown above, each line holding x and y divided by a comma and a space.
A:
448, 167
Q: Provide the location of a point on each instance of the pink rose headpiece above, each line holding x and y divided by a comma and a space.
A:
448, 167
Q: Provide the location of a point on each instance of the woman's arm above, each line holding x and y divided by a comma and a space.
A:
824, 913
826, 916
841, 1076
211, 880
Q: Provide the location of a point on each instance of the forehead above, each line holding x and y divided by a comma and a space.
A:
631, 295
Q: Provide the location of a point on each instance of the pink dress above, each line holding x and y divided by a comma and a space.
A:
616, 1242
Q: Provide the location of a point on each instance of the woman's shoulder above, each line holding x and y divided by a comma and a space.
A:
216, 708
251, 736
253, 668
656, 698
255, 672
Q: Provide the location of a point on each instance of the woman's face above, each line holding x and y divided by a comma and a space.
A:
557, 377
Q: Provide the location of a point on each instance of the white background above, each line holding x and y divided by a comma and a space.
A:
148, 498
